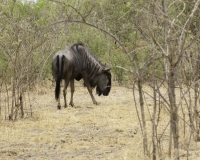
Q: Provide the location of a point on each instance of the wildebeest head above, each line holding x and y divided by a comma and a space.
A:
104, 82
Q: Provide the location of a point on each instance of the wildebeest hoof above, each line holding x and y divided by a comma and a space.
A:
59, 107
71, 104
65, 106
97, 103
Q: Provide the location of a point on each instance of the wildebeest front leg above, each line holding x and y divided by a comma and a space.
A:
72, 92
65, 92
90, 90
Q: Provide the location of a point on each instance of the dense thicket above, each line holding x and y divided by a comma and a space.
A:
151, 43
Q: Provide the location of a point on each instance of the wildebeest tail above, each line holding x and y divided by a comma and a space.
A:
59, 76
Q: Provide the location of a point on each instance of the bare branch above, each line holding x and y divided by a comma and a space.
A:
103, 30
184, 32
67, 4
127, 70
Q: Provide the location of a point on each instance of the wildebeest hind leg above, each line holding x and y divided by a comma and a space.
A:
65, 92
72, 92
59, 106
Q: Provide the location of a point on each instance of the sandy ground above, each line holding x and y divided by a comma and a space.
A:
106, 131
86, 132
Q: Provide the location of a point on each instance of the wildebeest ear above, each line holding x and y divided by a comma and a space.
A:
107, 69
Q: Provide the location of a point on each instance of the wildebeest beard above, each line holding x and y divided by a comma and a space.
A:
106, 91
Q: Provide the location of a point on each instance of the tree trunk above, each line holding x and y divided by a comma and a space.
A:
173, 110
196, 88
145, 142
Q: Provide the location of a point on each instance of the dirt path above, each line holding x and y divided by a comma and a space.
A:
107, 131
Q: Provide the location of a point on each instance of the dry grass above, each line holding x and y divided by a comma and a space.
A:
107, 131
87, 131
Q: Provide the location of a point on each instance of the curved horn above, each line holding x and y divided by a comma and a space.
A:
107, 69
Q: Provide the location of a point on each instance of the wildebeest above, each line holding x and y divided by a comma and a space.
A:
78, 62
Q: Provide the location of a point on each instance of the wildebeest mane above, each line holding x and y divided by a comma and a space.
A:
89, 60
